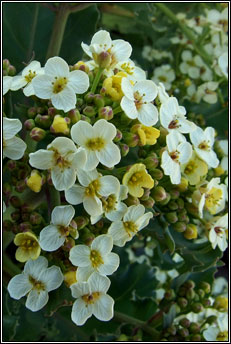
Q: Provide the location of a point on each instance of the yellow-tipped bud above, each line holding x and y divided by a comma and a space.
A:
35, 181
191, 232
183, 186
219, 171
221, 303
70, 278
187, 82
60, 125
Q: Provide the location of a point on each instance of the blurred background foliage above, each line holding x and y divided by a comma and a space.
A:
27, 29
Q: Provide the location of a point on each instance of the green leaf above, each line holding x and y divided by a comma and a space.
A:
169, 240
169, 317
179, 280
10, 324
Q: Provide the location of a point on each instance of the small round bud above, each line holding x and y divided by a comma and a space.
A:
7, 225
15, 215
201, 293
189, 284
171, 330
32, 112
182, 302
180, 203
24, 227
207, 303
106, 113
158, 193
179, 227
197, 307
221, 303
190, 294
51, 112
80, 65
118, 136
104, 59
11, 70
86, 119
81, 221
148, 203
196, 338
20, 186
7, 189
169, 294
152, 161
185, 322
124, 149
183, 332
156, 173
26, 208
29, 124
15, 201
74, 116
87, 236
171, 217
11, 165
69, 243
35, 218
89, 98
37, 134
89, 111
43, 121
172, 205
130, 139
175, 194
130, 200
212, 319
194, 328
98, 101
25, 217
5, 64
191, 232
206, 287
166, 200
183, 186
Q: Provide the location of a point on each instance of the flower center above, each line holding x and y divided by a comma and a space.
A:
29, 244
64, 231
175, 156
174, 124
109, 203
38, 285
213, 198
96, 259
90, 298
138, 100
130, 227
95, 144
204, 145
222, 336
30, 76
127, 68
162, 78
92, 188
60, 161
191, 63
191, 167
136, 178
59, 84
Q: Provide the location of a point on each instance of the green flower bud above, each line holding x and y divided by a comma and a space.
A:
196, 338
175, 194
11, 165
194, 328
74, 116
189, 284
80, 101
148, 203
169, 295
37, 134
182, 216
171, 330
191, 232
172, 205
158, 193
206, 287
7, 189
118, 136
106, 113
152, 161
51, 112
206, 303
185, 322
89, 98
201, 293
32, 112
166, 200
180, 203
124, 149
86, 119
29, 124
81, 221
130, 200
191, 209
142, 153
179, 227
212, 319
43, 121
7, 225
68, 244
130, 139
183, 332
26, 208
156, 173
190, 294
35, 218
20, 186
98, 101
24, 227
11, 70
5, 64
15, 228
15, 215
146, 195
182, 302
104, 59
171, 217
197, 307
87, 236
25, 217
15, 201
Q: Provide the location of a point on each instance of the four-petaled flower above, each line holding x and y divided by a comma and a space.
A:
13, 146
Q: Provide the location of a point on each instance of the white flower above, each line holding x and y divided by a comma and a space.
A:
194, 66
133, 72
119, 50
223, 64
218, 20
113, 208
218, 332
62, 158
172, 117
178, 152
137, 101
53, 236
59, 84
26, 77
217, 233
202, 141
98, 257
97, 142
36, 281
213, 197
7, 81
13, 146
207, 92
223, 144
93, 187
92, 299
164, 74
162, 94
134, 220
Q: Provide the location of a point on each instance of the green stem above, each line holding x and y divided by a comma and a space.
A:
32, 32
121, 317
58, 30
220, 96
188, 33
96, 80
117, 110
53, 198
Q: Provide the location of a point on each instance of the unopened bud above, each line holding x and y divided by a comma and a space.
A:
106, 113
43, 121
74, 116
175, 194
89, 111
15, 215
89, 98
124, 149
148, 203
15, 201
194, 327
197, 307
169, 294
29, 124
182, 216
172, 205
190, 294
32, 112
130, 139
118, 136
191, 232
26, 208
70, 278
207, 303
35, 181
158, 193
196, 338
60, 125
7, 225
171, 217
5, 64
212, 319
183, 186
11, 165
7, 189
179, 226
152, 161
24, 227
156, 173
25, 217
51, 112
171, 330
35, 218
183, 332
68, 244
130, 200
85, 118
11, 70
81, 221
201, 293
206, 287
104, 59
182, 302
37, 134
166, 200
80, 65
180, 203
185, 322
20, 186
98, 101
221, 303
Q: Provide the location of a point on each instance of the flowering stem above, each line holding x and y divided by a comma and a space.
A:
96, 80
188, 33
32, 32
121, 317
117, 110
53, 198
58, 30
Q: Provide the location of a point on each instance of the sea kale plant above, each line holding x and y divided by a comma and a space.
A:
115, 212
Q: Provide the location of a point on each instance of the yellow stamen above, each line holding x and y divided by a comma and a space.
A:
59, 85
92, 188
96, 259
95, 144
130, 227
30, 76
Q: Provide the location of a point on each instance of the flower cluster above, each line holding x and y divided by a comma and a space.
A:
86, 118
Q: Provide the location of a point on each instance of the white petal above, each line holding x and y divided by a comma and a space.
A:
64, 100
80, 312
147, 89
43, 87
102, 243
56, 66
210, 134
123, 192
83, 273
109, 185
129, 107
62, 215
18, 82
176, 175
119, 235
7, 80
51, 239
118, 213
52, 277
79, 158
121, 50
29, 90
111, 264
134, 212
80, 255
144, 220
211, 334
86, 49
173, 140
167, 163
79, 289
103, 308
19, 286
64, 146
95, 219
79, 81
197, 136
127, 89
99, 283
85, 178
35, 267
11, 126
14, 148
93, 206
36, 300
63, 179
148, 114
209, 157
185, 150
75, 194
102, 37
42, 159
109, 155
33, 66
104, 129
81, 132
92, 161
